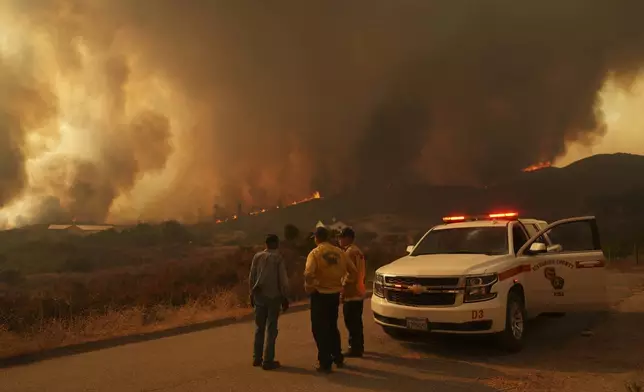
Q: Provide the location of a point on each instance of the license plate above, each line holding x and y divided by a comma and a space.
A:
417, 324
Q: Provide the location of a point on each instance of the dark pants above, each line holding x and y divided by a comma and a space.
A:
352, 311
324, 323
267, 311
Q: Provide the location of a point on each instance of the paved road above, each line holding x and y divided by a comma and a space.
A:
219, 360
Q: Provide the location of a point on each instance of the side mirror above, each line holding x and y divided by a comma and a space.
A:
554, 248
538, 247
410, 248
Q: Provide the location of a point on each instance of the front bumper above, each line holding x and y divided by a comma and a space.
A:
466, 318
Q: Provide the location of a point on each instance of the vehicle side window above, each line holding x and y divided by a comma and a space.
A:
541, 239
519, 237
574, 237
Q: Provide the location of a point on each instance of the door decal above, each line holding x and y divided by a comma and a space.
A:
557, 282
563, 263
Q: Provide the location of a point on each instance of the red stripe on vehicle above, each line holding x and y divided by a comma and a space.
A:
589, 264
514, 271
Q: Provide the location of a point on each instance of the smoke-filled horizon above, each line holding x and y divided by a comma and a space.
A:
130, 109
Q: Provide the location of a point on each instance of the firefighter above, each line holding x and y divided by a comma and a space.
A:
327, 269
269, 294
354, 294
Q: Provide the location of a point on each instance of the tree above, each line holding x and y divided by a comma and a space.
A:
291, 232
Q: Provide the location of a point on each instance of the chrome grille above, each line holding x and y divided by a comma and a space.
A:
449, 281
423, 299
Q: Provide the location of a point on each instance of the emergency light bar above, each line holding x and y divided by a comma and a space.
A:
453, 218
463, 218
504, 215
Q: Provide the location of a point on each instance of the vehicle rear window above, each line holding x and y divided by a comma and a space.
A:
491, 240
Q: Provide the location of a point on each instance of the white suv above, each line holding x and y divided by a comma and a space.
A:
486, 275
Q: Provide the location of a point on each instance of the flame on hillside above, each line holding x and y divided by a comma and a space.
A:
316, 195
537, 166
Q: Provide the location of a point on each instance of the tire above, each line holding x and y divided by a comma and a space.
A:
397, 333
512, 338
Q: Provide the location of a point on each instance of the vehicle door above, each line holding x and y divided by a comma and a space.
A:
538, 292
571, 269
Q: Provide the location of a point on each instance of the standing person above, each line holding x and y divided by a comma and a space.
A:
268, 295
354, 294
327, 268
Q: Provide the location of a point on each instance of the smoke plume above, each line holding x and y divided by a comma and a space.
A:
166, 107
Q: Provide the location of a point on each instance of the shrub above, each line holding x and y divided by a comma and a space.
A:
291, 232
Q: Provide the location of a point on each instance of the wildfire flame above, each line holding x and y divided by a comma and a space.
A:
316, 195
537, 166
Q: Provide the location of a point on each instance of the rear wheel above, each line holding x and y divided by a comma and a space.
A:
511, 339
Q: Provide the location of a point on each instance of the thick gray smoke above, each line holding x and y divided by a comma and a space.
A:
24, 103
291, 96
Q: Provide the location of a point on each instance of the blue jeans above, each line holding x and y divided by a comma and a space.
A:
267, 311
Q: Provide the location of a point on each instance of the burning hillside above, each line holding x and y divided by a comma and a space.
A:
315, 196
537, 166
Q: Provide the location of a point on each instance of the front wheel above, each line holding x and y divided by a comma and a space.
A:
511, 339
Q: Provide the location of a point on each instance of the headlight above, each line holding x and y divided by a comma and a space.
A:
479, 288
378, 283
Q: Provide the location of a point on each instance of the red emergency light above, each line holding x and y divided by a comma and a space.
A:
498, 215
504, 215
453, 218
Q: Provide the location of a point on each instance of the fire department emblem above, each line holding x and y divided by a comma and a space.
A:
557, 282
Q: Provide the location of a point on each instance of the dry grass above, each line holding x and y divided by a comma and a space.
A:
64, 332
49, 311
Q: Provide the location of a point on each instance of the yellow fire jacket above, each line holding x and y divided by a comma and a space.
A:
356, 290
327, 269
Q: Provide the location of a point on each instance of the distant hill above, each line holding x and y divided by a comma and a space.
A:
610, 186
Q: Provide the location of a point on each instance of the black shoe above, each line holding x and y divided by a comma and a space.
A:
323, 369
257, 362
353, 354
271, 365
339, 364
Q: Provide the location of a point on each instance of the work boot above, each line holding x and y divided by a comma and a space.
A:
272, 365
323, 369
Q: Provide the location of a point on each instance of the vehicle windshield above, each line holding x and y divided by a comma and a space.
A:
491, 240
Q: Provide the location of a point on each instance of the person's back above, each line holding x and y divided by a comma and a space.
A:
328, 266
268, 283
327, 269
268, 274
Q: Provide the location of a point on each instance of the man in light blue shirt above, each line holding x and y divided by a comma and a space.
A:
269, 294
